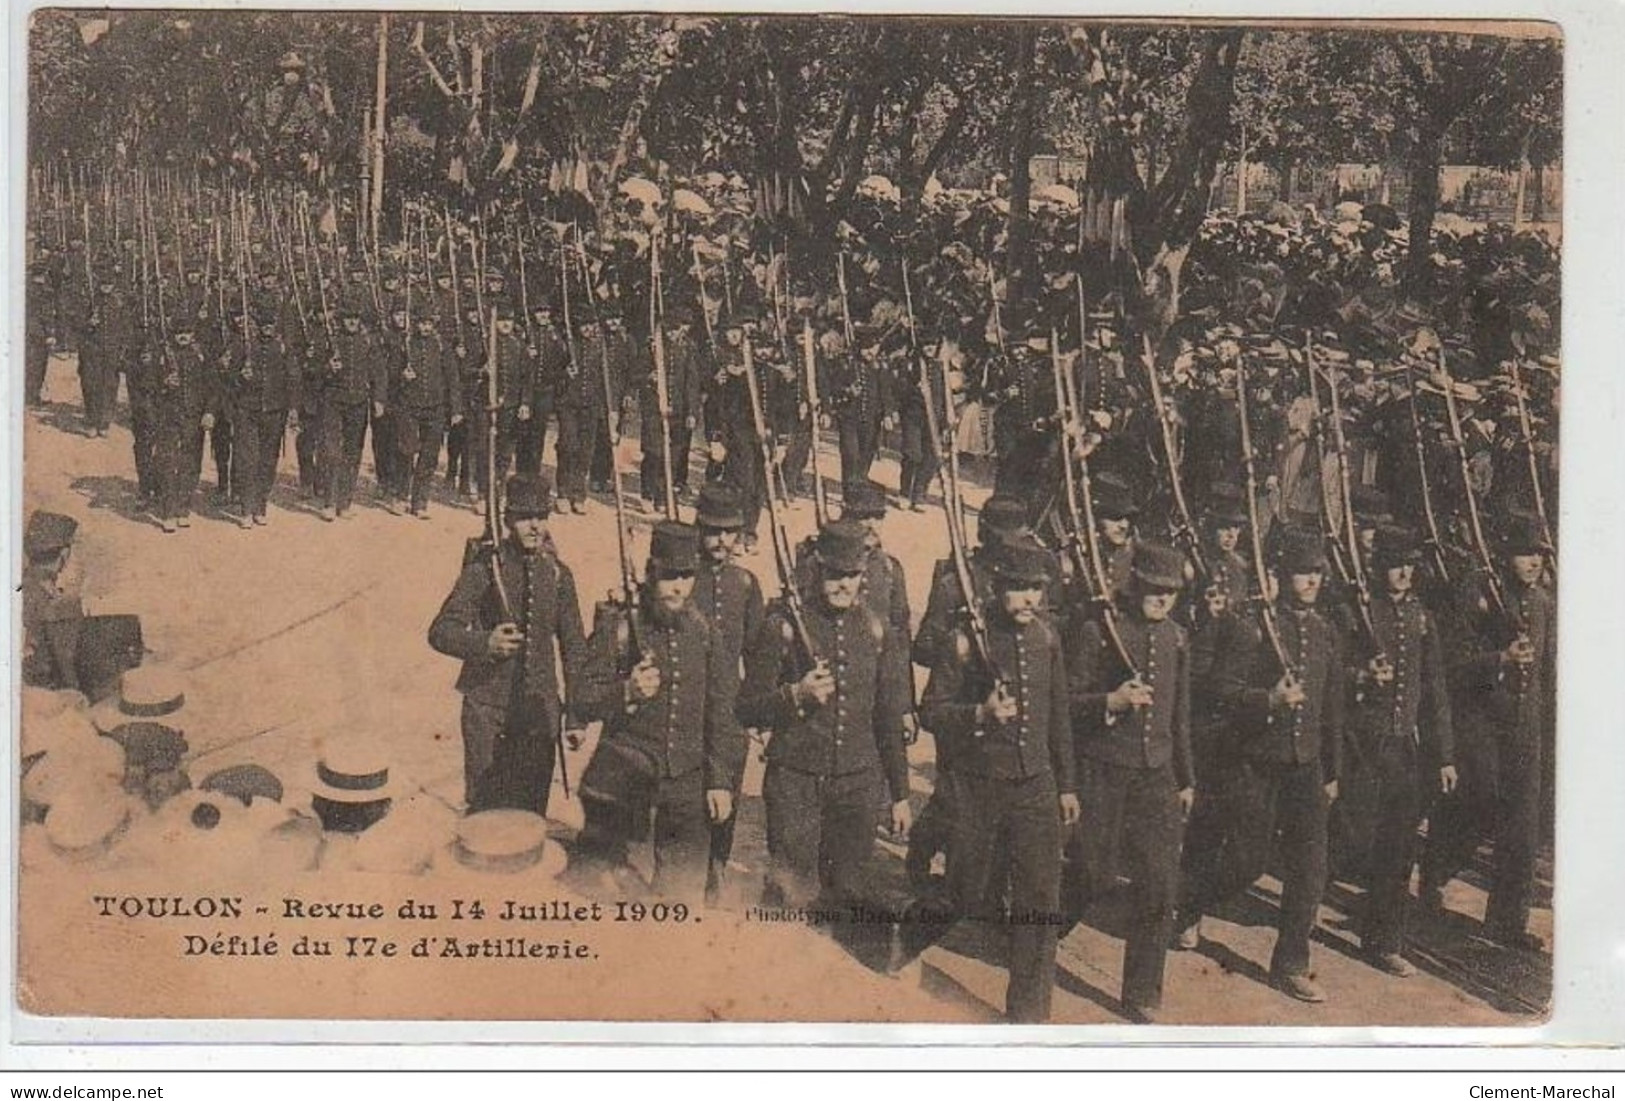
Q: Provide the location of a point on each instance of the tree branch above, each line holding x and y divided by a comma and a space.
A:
434, 71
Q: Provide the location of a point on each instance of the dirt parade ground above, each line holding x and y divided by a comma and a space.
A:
292, 633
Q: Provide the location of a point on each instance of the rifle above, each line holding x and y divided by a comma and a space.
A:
807, 654
1090, 562
90, 279
1529, 450
1348, 539
814, 411
1435, 543
1266, 606
657, 345
1458, 440
1185, 532
456, 291
975, 620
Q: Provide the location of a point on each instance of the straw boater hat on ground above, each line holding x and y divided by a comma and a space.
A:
147, 693
506, 842
74, 756
83, 828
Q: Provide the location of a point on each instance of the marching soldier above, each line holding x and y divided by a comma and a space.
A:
918, 451
110, 337
1115, 511
836, 758
263, 387
729, 598
684, 379
1401, 725
1288, 726
515, 402
514, 620
671, 746
423, 390
581, 419
185, 403
1135, 773
354, 378
1012, 776
1505, 670
884, 587
1023, 396
860, 399
40, 333
549, 360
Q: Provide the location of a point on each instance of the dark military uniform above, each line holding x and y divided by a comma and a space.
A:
111, 338
1515, 707
512, 707
1023, 425
1131, 768
41, 328
261, 390
916, 448
1288, 756
549, 359
860, 399
353, 379
423, 391
581, 421
187, 390
686, 737
684, 382
1399, 733
1003, 786
516, 390
830, 769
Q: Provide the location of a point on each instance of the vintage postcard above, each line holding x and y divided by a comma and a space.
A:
820, 519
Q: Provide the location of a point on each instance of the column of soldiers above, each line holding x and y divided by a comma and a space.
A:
1132, 695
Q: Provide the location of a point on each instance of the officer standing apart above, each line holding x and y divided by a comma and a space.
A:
515, 621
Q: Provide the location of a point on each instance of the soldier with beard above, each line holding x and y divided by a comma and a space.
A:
671, 747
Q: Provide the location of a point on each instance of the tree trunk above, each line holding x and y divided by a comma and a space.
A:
376, 207
1424, 204
1523, 183
1024, 108
1241, 173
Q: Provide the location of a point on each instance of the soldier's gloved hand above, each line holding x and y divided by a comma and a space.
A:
524, 413
644, 683
1287, 692
377, 409
911, 728
1187, 801
207, 421
717, 452
816, 687
293, 419
504, 640
999, 708
889, 421
1447, 779
456, 419
719, 804
1382, 670
690, 422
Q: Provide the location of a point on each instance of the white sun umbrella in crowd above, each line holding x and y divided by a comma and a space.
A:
879, 187
690, 202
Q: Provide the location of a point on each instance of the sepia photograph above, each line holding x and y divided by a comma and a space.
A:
824, 518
